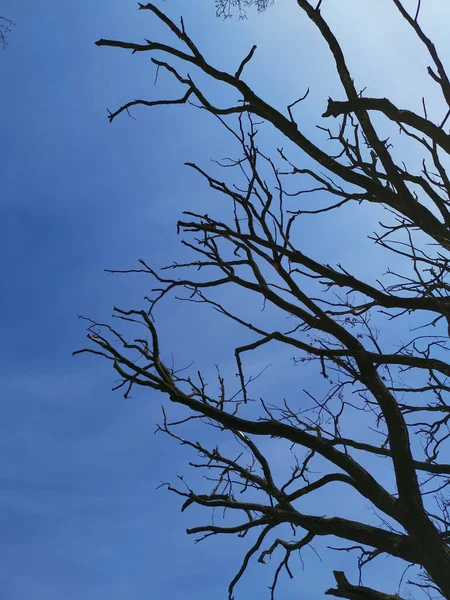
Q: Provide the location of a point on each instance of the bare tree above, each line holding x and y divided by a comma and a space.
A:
5, 28
225, 8
335, 319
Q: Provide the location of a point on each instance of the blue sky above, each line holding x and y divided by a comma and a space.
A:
80, 515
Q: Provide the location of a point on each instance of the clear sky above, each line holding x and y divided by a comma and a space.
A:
79, 511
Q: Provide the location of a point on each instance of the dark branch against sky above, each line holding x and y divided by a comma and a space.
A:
80, 466
337, 316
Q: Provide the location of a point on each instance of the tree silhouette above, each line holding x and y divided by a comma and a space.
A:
5, 28
226, 8
397, 389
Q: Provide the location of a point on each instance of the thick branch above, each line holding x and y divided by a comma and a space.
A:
407, 117
356, 592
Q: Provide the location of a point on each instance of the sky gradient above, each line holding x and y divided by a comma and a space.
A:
80, 514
